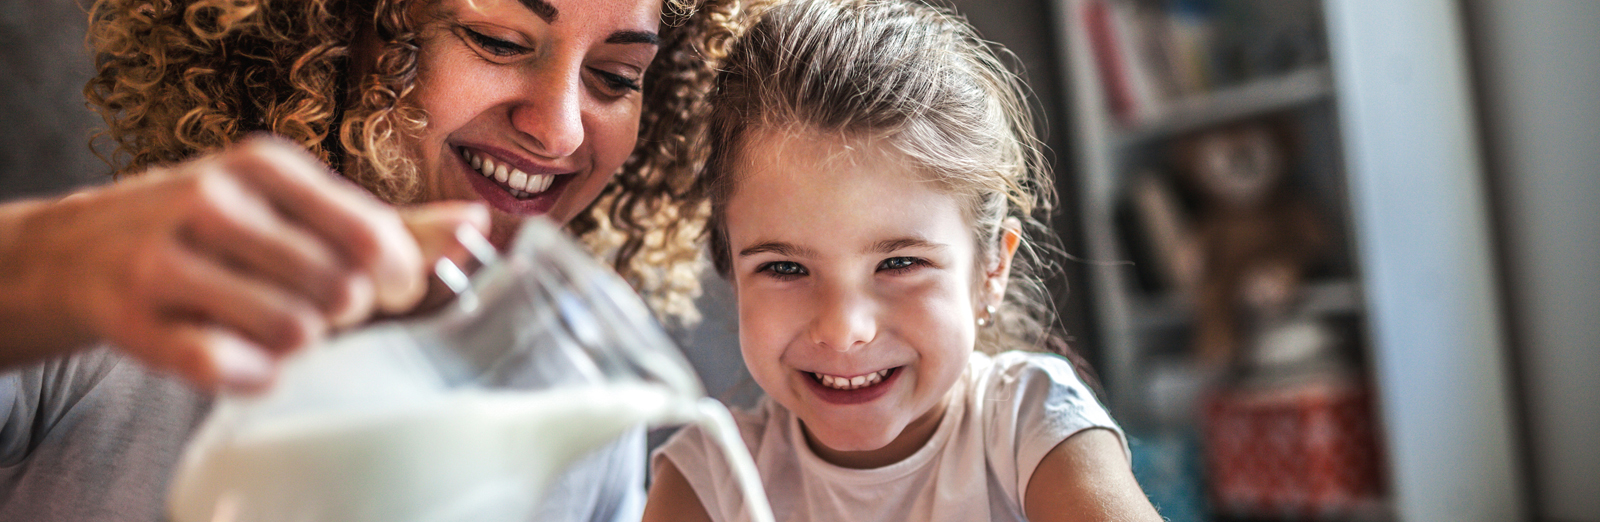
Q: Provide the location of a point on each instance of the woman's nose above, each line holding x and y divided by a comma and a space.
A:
552, 114
844, 321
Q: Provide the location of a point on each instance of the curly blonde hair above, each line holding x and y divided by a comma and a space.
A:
177, 78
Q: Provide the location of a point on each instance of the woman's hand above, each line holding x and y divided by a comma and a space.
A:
213, 268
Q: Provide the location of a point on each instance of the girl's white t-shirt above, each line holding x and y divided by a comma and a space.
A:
1010, 410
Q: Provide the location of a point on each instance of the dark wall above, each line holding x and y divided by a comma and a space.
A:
44, 123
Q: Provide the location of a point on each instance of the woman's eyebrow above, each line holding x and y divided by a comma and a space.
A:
549, 14
542, 9
634, 37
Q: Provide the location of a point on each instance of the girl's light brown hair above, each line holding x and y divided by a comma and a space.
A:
919, 79
175, 79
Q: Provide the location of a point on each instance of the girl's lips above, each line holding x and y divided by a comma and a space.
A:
498, 197
860, 395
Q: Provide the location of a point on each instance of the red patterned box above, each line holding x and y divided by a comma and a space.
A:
1298, 451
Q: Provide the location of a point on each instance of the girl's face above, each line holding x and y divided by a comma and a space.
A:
856, 283
532, 104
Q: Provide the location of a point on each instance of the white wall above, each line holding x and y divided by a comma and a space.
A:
1539, 67
1422, 226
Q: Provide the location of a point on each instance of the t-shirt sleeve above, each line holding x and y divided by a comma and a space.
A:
1037, 401
34, 399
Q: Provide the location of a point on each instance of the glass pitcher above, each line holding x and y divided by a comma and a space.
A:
465, 414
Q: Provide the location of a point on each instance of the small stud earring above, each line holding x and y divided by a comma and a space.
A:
988, 316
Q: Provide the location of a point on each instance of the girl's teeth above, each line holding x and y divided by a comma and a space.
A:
859, 381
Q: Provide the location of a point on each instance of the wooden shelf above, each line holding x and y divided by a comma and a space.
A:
1255, 98
1171, 310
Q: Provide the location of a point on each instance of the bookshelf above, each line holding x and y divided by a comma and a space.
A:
1132, 102
1275, 93
1386, 114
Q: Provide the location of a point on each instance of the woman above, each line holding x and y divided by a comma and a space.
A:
219, 253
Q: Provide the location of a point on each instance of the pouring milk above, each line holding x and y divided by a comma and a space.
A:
466, 415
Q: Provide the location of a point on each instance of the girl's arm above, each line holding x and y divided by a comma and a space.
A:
672, 499
1085, 477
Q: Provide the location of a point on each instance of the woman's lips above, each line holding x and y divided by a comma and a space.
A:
832, 391
516, 193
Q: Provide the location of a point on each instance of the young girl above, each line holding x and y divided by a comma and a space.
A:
871, 168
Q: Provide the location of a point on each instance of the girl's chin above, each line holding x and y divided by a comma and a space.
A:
852, 441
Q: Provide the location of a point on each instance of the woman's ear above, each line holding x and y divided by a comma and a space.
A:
999, 270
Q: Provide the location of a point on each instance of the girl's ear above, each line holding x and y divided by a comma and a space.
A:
999, 270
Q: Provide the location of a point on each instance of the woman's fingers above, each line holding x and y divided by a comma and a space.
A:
243, 231
434, 226
368, 233
208, 356
200, 289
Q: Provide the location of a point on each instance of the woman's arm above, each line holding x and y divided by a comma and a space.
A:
1086, 478
210, 269
672, 499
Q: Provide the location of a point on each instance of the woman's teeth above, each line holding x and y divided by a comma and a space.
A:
851, 383
519, 183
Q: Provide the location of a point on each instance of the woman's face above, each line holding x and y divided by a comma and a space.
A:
532, 105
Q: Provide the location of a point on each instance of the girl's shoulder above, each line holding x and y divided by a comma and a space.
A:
1029, 398
1018, 371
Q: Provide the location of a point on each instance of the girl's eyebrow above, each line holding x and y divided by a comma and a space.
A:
891, 245
777, 247
881, 247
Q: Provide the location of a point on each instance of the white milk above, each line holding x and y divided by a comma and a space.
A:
718, 423
468, 455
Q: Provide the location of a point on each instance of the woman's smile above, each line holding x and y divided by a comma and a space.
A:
512, 187
530, 110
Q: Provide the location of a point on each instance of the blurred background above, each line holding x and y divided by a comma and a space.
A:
1336, 260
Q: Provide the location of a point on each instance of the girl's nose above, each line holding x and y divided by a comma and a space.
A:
844, 322
552, 114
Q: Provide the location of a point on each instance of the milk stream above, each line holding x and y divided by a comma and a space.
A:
466, 455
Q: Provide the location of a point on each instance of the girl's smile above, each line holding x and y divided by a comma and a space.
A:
857, 286
853, 390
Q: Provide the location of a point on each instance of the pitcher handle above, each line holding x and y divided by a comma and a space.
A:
457, 279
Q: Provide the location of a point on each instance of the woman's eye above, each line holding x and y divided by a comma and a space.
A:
784, 269
494, 46
899, 263
617, 83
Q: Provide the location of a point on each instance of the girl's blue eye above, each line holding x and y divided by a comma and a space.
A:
783, 269
899, 263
